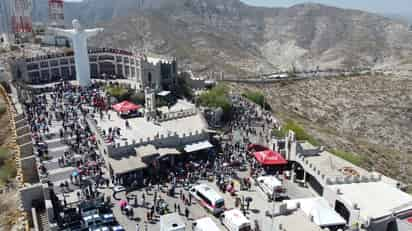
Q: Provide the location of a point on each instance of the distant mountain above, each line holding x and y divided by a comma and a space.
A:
238, 38
403, 17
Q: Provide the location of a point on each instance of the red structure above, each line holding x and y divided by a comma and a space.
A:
269, 157
125, 106
21, 16
56, 13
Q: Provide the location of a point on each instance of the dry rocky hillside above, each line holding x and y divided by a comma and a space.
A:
370, 116
9, 199
237, 38
231, 36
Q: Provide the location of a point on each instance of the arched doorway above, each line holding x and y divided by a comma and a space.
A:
108, 68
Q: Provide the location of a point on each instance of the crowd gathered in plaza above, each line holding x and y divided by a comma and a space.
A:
61, 115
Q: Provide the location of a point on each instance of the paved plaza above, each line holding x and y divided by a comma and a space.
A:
257, 209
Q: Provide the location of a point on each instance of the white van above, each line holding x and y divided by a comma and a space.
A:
172, 222
271, 186
209, 198
205, 224
234, 220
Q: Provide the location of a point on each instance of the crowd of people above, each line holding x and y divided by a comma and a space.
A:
61, 115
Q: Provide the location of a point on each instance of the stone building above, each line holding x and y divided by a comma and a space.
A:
138, 70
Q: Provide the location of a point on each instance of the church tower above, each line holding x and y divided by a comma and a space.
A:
150, 103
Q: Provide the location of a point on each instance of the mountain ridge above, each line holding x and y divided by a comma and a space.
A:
240, 39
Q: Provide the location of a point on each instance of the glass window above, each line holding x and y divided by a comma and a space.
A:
127, 71
54, 63
32, 66
34, 77
64, 61
55, 72
133, 71
106, 57
93, 58
45, 75
65, 72
44, 64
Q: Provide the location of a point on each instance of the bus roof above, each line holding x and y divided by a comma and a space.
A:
207, 223
208, 191
271, 181
236, 217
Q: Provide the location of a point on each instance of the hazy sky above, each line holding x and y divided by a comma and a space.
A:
383, 6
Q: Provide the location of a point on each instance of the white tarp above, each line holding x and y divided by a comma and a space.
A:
318, 208
163, 93
198, 146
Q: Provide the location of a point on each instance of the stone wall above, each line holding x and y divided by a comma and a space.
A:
170, 140
177, 115
26, 150
29, 169
29, 194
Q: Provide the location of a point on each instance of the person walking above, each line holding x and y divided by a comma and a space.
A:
137, 227
186, 212
143, 200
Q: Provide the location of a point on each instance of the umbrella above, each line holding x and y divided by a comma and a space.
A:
122, 203
249, 199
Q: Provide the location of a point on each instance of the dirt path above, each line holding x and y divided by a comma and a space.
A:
8, 200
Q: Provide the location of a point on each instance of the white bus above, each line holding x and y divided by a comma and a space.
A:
208, 198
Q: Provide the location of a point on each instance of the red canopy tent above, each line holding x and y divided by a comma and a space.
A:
256, 147
269, 157
125, 106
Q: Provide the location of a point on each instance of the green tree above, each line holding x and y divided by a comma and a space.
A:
258, 98
215, 98
120, 93
183, 90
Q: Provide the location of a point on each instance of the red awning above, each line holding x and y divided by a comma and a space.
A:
125, 106
257, 147
269, 157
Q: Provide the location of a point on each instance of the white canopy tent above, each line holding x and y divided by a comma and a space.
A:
317, 208
202, 145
